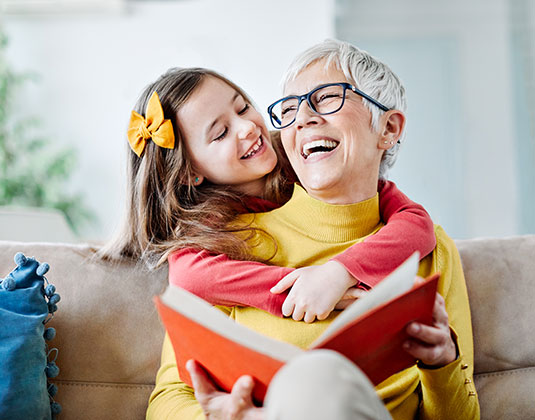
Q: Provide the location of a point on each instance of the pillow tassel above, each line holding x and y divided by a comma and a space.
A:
51, 370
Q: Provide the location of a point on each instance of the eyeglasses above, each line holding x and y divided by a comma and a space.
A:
323, 100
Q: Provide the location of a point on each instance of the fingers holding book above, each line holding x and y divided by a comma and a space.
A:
218, 405
432, 344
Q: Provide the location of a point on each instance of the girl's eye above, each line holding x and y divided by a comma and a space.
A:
222, 135
244, 110
225, 131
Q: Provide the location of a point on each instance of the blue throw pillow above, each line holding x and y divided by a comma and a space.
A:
25, 305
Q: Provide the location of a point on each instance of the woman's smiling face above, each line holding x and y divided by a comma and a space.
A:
346, 169
226, 137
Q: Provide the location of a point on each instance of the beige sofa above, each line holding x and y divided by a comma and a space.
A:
109, 335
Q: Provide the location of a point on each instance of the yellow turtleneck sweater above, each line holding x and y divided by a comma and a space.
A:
309, 232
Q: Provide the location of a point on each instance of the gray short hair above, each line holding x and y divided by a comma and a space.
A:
367, 73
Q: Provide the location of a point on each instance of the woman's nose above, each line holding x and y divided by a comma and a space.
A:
305, 116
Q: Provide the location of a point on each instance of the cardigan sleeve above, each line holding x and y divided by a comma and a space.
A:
446, 395
408, 229
449, 392
222, 281
172, 398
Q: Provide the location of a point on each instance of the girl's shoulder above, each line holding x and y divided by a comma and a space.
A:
259, 205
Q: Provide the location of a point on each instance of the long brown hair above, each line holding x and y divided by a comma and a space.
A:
165, 211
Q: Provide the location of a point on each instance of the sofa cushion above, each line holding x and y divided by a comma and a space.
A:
24, 308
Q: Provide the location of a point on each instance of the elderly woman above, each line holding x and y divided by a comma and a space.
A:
341, 118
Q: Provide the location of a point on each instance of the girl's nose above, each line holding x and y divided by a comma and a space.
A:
247, 128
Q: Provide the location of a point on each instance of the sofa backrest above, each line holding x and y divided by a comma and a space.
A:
500, 277
109, 335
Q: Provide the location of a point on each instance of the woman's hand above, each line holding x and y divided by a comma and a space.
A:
432, 344
218, 405
315, 290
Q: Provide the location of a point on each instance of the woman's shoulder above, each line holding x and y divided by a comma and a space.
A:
445, 244
444, 256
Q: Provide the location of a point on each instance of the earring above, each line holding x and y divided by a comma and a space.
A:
386, 142
196, 179
391, 142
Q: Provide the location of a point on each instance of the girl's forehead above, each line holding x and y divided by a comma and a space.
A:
208, 103
213, 87
211, 93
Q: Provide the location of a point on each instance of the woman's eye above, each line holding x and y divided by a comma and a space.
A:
328, 96
222, 135
244, 110
287, 109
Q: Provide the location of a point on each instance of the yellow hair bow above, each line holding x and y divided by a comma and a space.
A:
153, 126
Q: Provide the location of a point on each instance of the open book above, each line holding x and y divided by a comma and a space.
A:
370, 332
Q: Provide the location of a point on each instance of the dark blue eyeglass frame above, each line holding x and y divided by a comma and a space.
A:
276, 123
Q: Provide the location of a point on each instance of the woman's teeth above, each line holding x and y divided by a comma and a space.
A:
318, 146
254, 149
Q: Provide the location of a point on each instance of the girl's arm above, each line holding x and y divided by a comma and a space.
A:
408, 229
222, 281
316, 290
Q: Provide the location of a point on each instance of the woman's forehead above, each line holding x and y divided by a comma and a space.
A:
313, 75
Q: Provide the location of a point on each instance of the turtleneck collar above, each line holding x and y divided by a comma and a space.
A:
330, 222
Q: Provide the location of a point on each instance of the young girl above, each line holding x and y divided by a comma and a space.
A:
190, 176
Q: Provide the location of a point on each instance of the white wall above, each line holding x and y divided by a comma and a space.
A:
93, 67
454, 57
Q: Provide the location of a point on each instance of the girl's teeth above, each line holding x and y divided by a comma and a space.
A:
255, 149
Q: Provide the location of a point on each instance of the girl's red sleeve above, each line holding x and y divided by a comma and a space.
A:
222, 281
408, 229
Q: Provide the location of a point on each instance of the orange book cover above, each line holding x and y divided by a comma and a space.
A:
370, 333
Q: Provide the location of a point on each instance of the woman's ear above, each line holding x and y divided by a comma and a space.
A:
393, 123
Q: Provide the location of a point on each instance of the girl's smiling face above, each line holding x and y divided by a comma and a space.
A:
226, 137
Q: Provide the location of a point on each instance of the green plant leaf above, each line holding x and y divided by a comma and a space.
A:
32, 172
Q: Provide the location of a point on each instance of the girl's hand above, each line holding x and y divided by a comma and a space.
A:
218, 405
314, 290
432, 344
351, 295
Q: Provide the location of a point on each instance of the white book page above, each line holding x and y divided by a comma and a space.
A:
397, 283
203, 313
